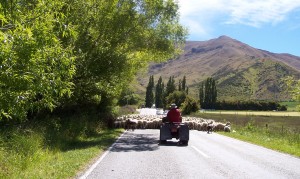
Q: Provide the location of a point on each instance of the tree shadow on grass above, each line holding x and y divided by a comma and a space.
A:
102, 140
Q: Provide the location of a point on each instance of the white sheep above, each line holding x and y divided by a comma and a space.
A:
136, 121
219, 126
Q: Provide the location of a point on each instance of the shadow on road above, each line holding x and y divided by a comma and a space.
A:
136, 143
169, 143
172, 143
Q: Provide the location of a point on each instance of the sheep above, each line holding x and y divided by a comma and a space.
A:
219, 126
136, 121
157, 123
191, 124
140, 124
198, 126
203, 126
131, 124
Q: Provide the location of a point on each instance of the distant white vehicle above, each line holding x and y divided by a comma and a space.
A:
159, 112
148, 111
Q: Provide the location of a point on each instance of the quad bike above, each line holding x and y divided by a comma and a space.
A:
177, 130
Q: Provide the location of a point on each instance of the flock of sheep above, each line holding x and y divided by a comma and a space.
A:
138, 121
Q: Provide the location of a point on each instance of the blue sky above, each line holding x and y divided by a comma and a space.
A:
272, 25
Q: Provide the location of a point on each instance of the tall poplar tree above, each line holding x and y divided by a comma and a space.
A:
183, 84
170, 88
159, 90
201, 95
149, 100
213, 93
208, 94
179, 85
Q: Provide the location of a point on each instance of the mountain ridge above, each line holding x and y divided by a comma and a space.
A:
242, 71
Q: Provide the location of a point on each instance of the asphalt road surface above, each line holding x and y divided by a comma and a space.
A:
138, 154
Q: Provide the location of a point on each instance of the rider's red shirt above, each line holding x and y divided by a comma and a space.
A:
174, 115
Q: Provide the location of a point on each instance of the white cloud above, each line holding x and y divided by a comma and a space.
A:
196, 28
200, 14
258, 12
198, 17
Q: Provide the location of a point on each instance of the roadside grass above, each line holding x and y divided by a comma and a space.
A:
52, 149
66, 163
286, 142
279, 133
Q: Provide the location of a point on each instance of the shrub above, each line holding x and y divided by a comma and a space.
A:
189, 105
177, 97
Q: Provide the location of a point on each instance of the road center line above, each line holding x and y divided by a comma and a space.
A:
199, 151
89, 171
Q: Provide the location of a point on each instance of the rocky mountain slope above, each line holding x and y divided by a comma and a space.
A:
242, 72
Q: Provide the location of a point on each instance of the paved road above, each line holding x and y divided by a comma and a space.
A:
138, 155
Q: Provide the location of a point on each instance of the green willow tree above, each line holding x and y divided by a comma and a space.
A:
177, 97
87, 49
189, 105
118, 38
35, 68
128, 97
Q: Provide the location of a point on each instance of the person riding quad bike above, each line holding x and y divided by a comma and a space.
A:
173, 128
174, 114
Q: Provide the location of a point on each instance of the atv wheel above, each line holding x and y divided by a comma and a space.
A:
184, 142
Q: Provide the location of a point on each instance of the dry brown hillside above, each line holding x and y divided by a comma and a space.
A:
242, 72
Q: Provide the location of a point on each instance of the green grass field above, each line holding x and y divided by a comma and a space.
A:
255, 113
277, 132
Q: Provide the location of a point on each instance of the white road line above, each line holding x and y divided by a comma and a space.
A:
89, 171
199, 151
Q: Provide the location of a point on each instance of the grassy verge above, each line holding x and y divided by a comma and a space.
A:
279, 133
286, 142
53, 149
